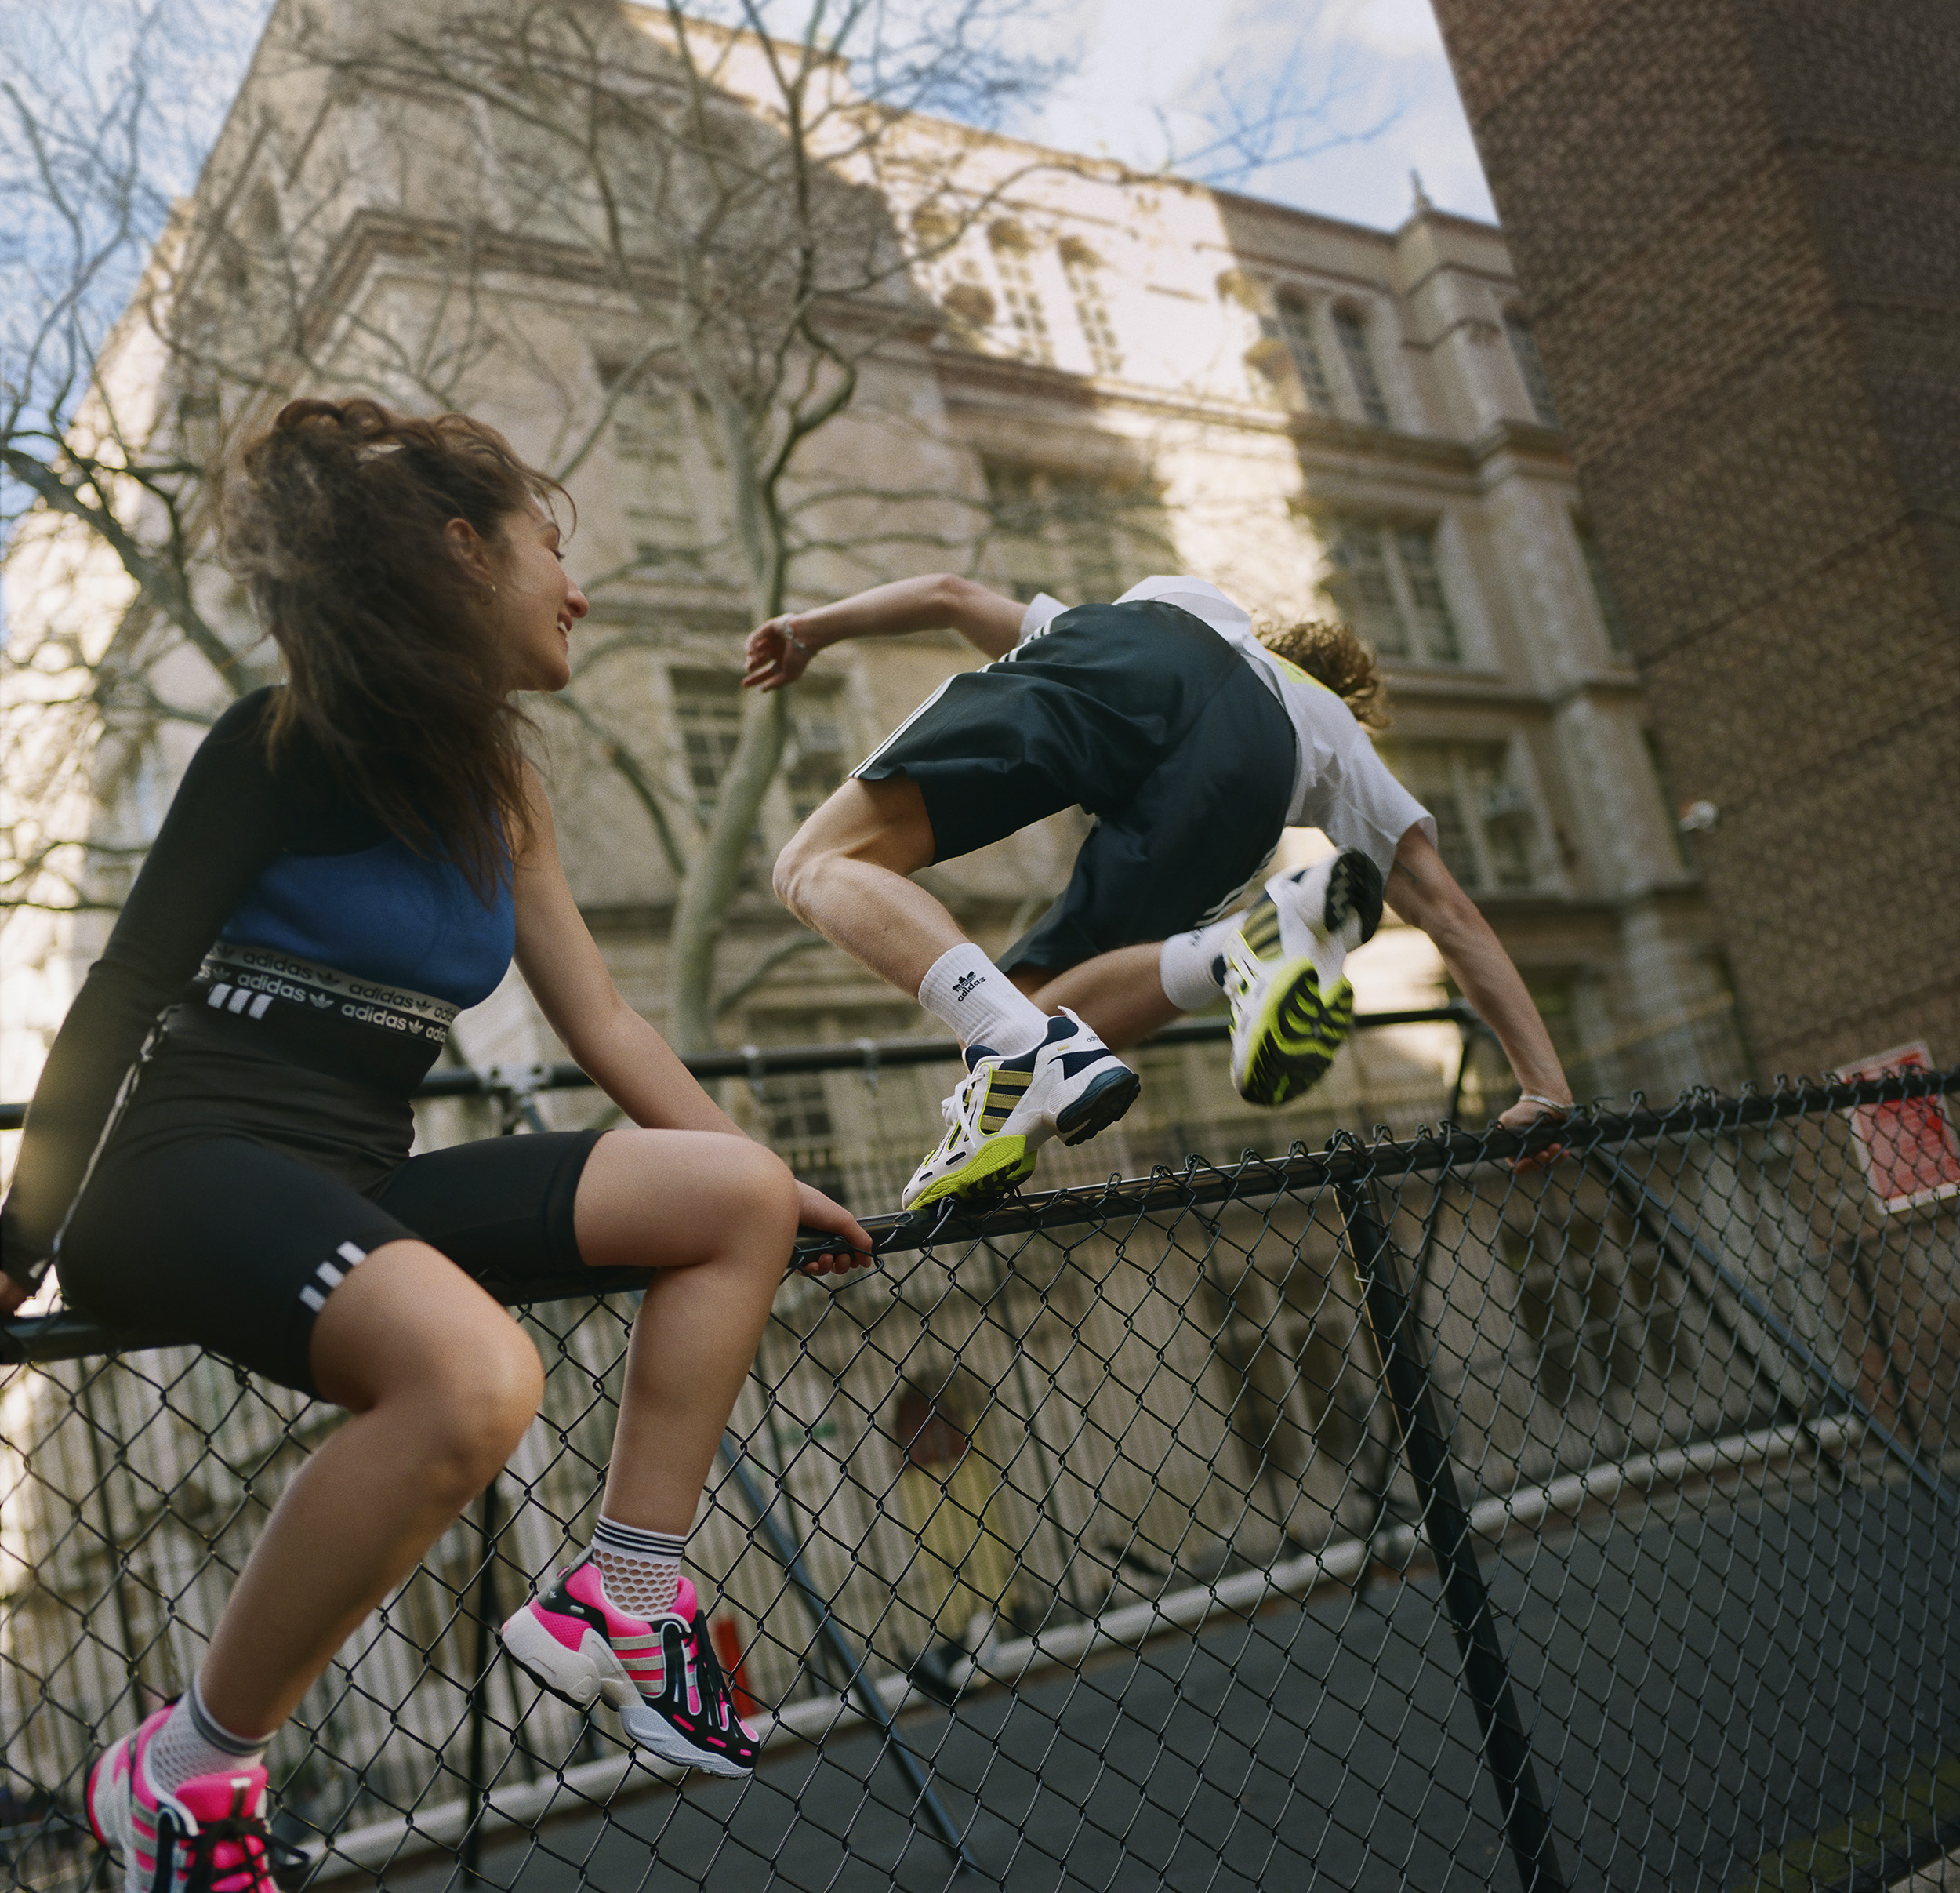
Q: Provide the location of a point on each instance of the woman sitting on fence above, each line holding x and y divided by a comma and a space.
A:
218, 1147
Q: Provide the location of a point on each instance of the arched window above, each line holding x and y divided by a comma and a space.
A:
1296, 330
1352, 328
1017, 291
1083, 270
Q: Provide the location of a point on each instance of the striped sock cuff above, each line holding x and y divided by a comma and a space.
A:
212, 1731
609, 1534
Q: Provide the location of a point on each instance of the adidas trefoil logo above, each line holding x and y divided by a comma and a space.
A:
965, 984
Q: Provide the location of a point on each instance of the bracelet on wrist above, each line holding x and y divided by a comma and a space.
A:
797, 641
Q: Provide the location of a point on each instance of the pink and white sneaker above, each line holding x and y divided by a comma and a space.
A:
208, 1836
663, 1676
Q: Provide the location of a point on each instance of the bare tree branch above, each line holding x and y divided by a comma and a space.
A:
765, 968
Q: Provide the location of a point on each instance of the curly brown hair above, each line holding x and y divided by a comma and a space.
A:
1331, 653
335, 522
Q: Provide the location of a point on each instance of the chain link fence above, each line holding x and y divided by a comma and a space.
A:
1376, 1516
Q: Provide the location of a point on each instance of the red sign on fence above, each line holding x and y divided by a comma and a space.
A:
1911, 1154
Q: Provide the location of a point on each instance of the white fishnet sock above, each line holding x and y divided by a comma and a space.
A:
191, 1743
641, 1570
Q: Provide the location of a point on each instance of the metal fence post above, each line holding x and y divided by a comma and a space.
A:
486, 1657
1447, 1525
1787, 1337
855, 1680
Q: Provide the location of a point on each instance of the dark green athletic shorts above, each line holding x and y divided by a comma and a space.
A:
1150, 722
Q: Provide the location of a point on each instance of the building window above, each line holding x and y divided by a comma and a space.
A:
799, 1109
815, 764
1295, 326
1352, 328
649, 434
1070, 535
1383, 580
1018, 290
1601, 588
970, 308
1537, 383
707, 706
1084, 273
1487, 829
802, 1132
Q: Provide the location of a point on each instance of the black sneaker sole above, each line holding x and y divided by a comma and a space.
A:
1354, 888
1287, 1065
1106, 1100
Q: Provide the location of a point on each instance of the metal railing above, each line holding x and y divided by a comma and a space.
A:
1376, 1516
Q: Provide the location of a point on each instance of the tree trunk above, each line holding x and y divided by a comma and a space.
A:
710, 883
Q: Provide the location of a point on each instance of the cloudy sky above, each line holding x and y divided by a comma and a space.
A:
1365, 81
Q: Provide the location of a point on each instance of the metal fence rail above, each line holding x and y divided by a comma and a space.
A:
1377, 1517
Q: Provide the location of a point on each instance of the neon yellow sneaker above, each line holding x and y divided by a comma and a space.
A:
1070, 1086
1292, 1007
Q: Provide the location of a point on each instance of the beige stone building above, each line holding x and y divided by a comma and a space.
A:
1086, 375
1090, 376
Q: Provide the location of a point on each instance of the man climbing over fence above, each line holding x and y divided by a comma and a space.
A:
1193, 744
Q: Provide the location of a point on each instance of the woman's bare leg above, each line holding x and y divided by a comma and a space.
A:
441, 1384
717, 1215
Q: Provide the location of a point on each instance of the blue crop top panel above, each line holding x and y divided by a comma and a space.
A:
385, 914
276, 914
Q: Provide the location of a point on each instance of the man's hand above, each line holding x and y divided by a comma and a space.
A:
1520, 1117
816, 1211
772, 657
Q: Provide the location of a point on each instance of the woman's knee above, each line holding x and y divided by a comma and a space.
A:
671, 1199
473, 1411
757, 1196
408, 1327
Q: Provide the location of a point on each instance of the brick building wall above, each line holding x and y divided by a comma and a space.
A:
1736, 223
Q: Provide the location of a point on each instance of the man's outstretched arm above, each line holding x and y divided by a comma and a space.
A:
779, 652
1426, 895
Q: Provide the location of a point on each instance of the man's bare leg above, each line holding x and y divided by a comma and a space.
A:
843, 874
1120, 994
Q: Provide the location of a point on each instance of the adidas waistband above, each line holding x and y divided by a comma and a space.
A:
246, 981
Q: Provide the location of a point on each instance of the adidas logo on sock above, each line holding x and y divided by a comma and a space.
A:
965, 984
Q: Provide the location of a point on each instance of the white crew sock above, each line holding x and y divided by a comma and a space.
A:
640, 1570
1192, 965
981, 1004
192, 1743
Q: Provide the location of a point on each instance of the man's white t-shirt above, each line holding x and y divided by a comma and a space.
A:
1343, 788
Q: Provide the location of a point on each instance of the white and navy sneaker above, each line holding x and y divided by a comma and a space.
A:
1292, 1006
1070, 1086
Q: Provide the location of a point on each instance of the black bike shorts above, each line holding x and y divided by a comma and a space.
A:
239, 1190
1145, 717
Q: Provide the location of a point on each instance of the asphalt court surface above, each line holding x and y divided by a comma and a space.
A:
1699, 1680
